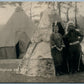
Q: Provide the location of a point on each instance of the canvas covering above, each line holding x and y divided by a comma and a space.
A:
19, 28
38, 60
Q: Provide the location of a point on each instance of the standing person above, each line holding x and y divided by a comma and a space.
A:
72, 41
64, 63
56, 44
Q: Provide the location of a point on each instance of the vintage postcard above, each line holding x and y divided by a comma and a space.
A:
42, 41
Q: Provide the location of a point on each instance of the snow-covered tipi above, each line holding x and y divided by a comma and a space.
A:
38, 60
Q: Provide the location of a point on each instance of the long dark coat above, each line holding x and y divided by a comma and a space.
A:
72, 52
56, 39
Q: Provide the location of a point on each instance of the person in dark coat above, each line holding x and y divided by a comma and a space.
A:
73, 49
56, 44
64, 63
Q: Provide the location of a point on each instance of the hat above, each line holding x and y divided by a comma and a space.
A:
70, 25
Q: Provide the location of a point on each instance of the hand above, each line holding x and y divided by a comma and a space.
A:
60, 49
63, 45
53, 46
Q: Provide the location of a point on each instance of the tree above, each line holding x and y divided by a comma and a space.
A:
75, 14
2, 4
59, 8
31, 10
67, 14
67, 6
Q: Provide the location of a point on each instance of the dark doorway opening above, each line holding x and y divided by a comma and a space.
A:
21, 49
17, 51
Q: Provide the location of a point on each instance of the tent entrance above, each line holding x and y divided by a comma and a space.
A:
17, 51
14, 52
21, 49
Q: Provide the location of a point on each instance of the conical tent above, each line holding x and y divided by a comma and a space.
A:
38, 59
45, 25
19, 22
19, 28
48, 17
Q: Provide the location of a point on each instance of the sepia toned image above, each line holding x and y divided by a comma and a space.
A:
42, 41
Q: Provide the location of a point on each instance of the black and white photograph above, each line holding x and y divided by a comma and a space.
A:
42, 41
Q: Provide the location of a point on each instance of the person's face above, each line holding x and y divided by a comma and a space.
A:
56, 29
70, 27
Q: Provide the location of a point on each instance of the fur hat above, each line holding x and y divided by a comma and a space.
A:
70, 25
